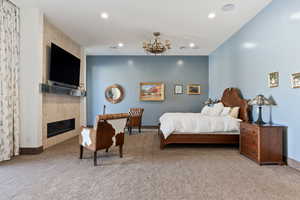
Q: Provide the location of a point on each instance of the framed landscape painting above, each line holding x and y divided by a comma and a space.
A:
193, 89
152, 91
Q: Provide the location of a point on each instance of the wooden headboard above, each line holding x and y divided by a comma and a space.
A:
232, 98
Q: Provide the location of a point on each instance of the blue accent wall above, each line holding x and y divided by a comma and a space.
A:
269, 43
129, 71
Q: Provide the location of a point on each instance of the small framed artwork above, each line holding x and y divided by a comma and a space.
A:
178, 89
273, 79
295, 79
193, 89
152, 91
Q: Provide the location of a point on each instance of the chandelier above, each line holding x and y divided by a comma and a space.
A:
155, 46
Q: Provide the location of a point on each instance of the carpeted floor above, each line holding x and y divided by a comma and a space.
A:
178, 172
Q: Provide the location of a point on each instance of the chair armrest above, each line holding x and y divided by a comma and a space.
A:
92, 136
82, 127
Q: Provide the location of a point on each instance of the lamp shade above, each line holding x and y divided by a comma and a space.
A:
260, 100
272, 101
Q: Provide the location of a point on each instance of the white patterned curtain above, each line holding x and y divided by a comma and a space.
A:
9, 80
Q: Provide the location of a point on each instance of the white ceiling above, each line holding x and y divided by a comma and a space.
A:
133, 21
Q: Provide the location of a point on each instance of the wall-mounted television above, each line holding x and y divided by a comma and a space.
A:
64, 67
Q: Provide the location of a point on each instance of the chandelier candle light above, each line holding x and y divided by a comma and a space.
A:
156, 46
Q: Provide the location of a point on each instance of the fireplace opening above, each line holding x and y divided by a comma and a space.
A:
60, 127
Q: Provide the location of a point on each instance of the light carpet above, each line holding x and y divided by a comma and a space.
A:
145, 172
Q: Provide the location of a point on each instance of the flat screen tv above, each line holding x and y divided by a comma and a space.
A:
64, 67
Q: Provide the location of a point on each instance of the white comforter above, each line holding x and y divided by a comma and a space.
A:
196, 123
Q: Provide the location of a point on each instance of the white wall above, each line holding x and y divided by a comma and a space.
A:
269, 43
31, 20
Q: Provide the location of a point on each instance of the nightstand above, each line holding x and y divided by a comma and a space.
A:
262, 143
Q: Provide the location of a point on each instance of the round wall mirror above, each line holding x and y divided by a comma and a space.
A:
114, 93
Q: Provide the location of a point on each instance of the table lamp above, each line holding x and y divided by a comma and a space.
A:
260, 100
208, 102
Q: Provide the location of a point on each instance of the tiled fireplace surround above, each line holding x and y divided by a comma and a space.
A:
58, 107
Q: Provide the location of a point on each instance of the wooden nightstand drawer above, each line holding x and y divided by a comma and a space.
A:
249, 147
248, 129
249, 152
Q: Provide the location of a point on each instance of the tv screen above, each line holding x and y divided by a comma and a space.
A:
64, 67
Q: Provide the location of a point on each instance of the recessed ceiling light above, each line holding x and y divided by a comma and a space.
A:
192, 45
104, 15
228, 7
212, 15
120, 44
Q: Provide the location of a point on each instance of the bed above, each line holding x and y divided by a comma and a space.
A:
231, 98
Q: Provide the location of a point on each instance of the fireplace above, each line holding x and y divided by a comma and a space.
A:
60, 127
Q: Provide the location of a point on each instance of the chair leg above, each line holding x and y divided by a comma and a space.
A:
95, 158
130, 132
121, 151
106, 150
81, 152
139, 129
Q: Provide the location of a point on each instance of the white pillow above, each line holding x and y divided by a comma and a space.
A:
235, 112
206, 110
217, 109
226, 111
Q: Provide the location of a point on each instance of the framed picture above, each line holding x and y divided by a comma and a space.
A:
152, 91
273, 79
178, 89
193, 89
295, 80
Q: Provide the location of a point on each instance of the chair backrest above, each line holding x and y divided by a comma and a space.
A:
135, 116
136, 111
107, 127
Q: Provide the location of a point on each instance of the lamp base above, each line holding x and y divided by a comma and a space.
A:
260, 122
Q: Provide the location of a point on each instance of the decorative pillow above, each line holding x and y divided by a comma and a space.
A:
235, 112
206, 110
217, 109
226, 111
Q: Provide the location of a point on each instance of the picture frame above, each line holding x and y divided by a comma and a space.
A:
273, 79
152, 91
178, 89
194, 89
295, 80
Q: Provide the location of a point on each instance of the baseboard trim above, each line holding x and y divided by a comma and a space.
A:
149, 127
293, 163
31, 150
